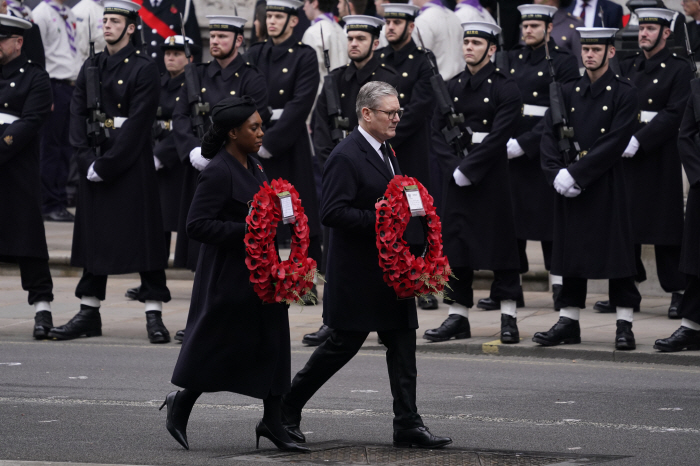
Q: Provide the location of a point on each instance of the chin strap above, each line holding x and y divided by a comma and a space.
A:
658, 39
605, 57
233, 47
484, 55
121, 36
284, 28
368, 52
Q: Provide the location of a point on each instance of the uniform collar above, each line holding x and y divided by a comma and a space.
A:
280, 50
111, 61
12, 67
475, 80
599, 86
397, 57
363, 74
172, 83
214, 68
537, 55
654, 62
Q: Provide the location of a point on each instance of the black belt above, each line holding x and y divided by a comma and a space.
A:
70, 82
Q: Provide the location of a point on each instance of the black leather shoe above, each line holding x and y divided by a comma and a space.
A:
316, 338
509, 329
565, 331
86, 322
419, 437
310, 300
556, 289
261, 430
176, 420
157, 333
604, 307
683, 338
61, 215
488, 304
624, 338
42, 324
133, 293
455, 326
428, 303
291, 419
675, 307
179, 335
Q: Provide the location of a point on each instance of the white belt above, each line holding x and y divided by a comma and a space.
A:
167, 125
6, 118
646, 117
276, 114
478, 138
534, 110
116, 122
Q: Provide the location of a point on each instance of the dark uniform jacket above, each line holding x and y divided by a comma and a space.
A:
478, 230
25, 92
356, 297
257, 361
348, 80
592, 232
118, 223
654, 175
291, 74
689, 152
533, 198
240, 77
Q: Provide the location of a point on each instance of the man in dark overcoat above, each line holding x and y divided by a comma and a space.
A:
592, 228
226, 75
292, 79
477, 211
653, 172
118, 226
357, 299
25, 90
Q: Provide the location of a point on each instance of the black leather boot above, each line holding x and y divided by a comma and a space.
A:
157, 333
565, 331
291, 419
683, 338
428, 303
179, 335
455, 326
624, 338
316, 338
556, 289
488, 304
42, 324
675, 307
509, 329
133, 293
419, 437
604, 307
86, 322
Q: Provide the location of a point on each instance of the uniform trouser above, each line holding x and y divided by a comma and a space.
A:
36, 278
622, 291
340, 348
690, 305
55, 149
153, 286
505, 285
522, 252
668, 259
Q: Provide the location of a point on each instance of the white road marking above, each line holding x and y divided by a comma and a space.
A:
364, 391
564, 402
10, 363
670, 409
81, 377
574, 448
51, 463
52, 420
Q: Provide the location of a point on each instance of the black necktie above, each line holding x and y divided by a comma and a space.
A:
386, 159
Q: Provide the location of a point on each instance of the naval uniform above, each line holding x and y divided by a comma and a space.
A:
654, 175
239, 78
477, 220
118, 223
564, 33
25, 103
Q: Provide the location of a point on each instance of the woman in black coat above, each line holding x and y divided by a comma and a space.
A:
255, 364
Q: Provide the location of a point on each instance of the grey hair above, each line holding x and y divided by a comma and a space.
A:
371, 93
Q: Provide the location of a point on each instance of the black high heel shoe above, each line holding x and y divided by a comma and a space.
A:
178, 432
261, 430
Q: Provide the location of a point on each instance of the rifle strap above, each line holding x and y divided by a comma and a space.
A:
153, 22
695, 91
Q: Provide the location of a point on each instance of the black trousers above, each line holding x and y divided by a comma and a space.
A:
623, 293
505, 285
522, 253
35, 276
668, 259
690, 305
340, 348
153, 286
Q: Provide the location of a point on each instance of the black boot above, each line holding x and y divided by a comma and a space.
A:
604, 307
509, 329
556, 289
683, 338
316, 338
291, 419
86, 322
42, 324
488, 304
157, 333
179, 335
675, 307
133, 293
311, 299
624, 338
428, 303
565, 331
455, 326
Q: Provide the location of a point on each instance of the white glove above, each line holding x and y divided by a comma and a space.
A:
264, 153
514, 149
573, 191
460, 179
158, 163
632, 148
92, 174
563, 181
196, 159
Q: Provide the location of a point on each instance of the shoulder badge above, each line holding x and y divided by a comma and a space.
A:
8, 140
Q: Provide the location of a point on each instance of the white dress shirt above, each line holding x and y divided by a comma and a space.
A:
467, 13
61, 61
442, 33
376, 145
89, 12
591, 11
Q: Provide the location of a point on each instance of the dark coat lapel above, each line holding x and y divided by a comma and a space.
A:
370, 154
246, 184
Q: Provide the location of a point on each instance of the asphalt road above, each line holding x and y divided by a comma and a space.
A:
96, 400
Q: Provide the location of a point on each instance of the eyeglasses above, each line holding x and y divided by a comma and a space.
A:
390, 114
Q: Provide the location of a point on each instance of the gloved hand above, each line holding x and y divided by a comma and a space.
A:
514, 149
573, 191
631, 149
563, 181
92, 174
264, 153
196, 159
460, 179
157, 163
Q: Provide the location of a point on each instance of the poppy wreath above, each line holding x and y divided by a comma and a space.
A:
274, 281
408, 275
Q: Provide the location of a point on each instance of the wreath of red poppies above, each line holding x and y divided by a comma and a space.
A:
274, 281
408, 275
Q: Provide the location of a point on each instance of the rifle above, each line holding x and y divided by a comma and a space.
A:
96, 132
614, 65
695, 82
501, 57
451, 131
560, 121
194, 99
339, 124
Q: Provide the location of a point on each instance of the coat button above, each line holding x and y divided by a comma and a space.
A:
563, 37
401, 95
459, 80
119, 105
485, 122
608, 88
290, 50
456, 99
486, 99
489, 81
410, 57
650, 101
120, 82
204, 89
154, 43
578, 89
177, 99
605, 108
372, 74
602, 130
534, 94
12, 84
381, 56
383, 64
233, 92
572, 109
154, 31
520, 56
21, 70
284, 70
656, 81
512, 71
571, 26
663, 65
539, 73
126, 60
281, 91
404, 74
6, 105
236, 75
342, 96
